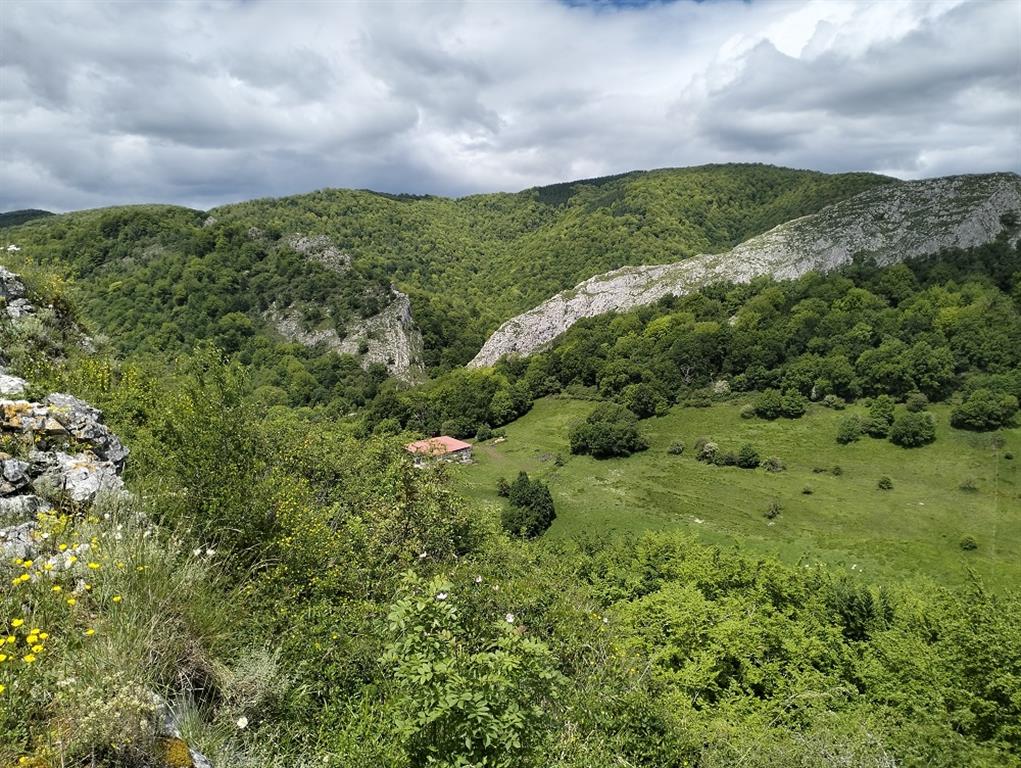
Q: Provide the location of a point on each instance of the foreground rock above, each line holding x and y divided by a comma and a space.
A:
66, 456
890, 223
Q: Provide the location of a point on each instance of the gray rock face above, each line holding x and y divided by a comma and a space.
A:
11, 386
321, 249
11, 286
389, 338
84, 423
80, 477
890, 223
20, 509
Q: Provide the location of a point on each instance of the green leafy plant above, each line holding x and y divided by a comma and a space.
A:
464, 694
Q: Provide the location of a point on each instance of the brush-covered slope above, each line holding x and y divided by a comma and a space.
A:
889, 223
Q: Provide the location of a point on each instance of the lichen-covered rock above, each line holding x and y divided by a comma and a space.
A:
889, 223
84, 423
13, 476
15, 510
12, 386
18, 540
79, 477
11, 287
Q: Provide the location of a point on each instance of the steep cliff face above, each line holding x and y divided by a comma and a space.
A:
890, 223
389, 338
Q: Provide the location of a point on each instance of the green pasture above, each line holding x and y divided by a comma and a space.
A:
913, 529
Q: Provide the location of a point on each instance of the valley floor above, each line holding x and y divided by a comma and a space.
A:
913, 529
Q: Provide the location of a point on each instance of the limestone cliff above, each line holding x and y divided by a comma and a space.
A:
389, 338
889, 223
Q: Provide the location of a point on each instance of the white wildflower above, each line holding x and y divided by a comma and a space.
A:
242, 722
441, 596
509, 618
478, 579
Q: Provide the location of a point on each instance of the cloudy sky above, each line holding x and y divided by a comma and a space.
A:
202, 103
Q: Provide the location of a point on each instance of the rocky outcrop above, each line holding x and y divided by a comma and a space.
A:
65, 455
13, 296
321, 249
389, 338
889, 223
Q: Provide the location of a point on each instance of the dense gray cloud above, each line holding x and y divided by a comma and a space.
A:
207, 102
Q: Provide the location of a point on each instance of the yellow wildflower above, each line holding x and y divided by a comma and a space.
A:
117, 598
71, 601
17, 623
32, 639
3, 657
95, 566
56, 588
90, 632
2, 688
44, 635
28, 658
38, 648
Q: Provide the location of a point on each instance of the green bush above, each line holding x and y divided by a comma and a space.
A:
913, 430
774, 509
916, 402
968, 543
531, 510
747, 457
773, 464
769, 404
610, 430
792, 404
984, 410
849, 429
885, 483
676, 448
466, 693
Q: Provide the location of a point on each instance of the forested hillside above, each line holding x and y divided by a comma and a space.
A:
160, 278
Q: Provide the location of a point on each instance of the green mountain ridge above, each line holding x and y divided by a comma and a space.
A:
160, 278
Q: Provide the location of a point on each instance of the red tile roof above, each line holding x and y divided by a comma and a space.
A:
437, 446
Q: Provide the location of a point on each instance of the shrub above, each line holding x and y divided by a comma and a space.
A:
792, 404
835, 402
643, 400
768, 404
774, 509
1008, 456
610, 430
968, 543
807, 490
837, 471
707, 452
968, 486
849, 429
700, 443
773, 464
700, 398
984, 410
502, 487
485, 433
913, 430
875, 427
676, 449
885, 483
916, 402
464, 694
747, 411
531, 511
747, 457
726, 459
882, 409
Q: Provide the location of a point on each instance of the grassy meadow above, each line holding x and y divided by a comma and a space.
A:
915, 528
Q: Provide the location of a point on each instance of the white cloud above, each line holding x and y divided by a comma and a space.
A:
205, 102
